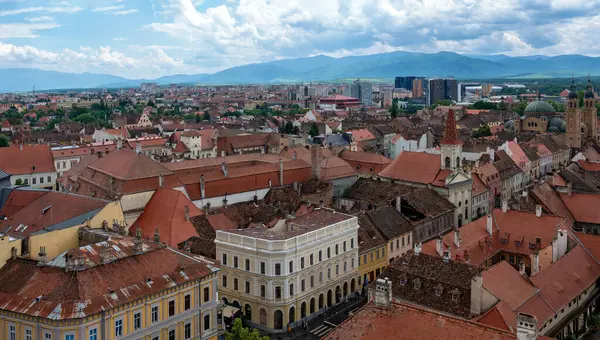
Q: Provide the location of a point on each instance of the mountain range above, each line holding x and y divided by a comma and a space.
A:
323, 68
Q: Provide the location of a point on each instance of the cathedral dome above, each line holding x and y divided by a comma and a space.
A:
539, 107
589, 94
510, 125
557, 124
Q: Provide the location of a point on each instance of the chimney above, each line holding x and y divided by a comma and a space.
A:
320, 204
42, 256
383, 292
489, 224
554, 250
290, 140
399, 204
561, 243
439, 243
225, 169
137, 242
119, 144
223, 153
280, 172
418, 248
156, 236
524, 193
138, 148
294, 155
161, 180
255, 199
186, 213
535, 264
225, 201
13, 253
538, 210
522, 268
446, 257
21, 147
504, 206
262, 150
569, 188
105, 254
315, 157
202, 187
526, 327
457, 238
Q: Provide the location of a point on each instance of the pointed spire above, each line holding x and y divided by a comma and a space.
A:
573, 90
450, 131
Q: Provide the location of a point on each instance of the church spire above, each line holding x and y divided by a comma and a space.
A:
573, 90
589, 91
450, 131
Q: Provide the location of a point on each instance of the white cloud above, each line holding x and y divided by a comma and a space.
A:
41, 18
120, 38
24, 30
108, 8
66, 9
126, 12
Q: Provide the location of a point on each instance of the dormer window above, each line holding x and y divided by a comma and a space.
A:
417, 284
531, 245
403, 280
518, 243
438, 290
455, 294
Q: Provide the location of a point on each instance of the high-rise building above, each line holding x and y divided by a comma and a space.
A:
418, 87
362, 90
404, 82
441, 89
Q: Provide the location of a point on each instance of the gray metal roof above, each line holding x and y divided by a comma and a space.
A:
77, 220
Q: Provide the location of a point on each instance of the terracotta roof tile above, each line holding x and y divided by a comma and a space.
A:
128, 165
505, 283
583, 207
26, 159
418, 167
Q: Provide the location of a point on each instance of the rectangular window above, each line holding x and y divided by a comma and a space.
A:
49, 179
321, 277
278, 292
312, 281
263, 291
291, 267
302, 286
328, 252
235, 262
42, 180
398, 243
187, 331
352, 263
344, 246
372, 255
408, 239
172, 334
262, 268
311, 259
328, 273
247, 287
345, 266
337, 269
302, 263
171, 308
337, 248
187, 302
207, 322
69, 336
277, 268
33, 180
351, 243
291, 289
206, 294
320, 255
365, 259
248, 265
154, 313
94, 334
235, 284
28, 333
26, 181
137, 321
224, 279
224, 259
392, 246
47, 336
119, 327
403, 241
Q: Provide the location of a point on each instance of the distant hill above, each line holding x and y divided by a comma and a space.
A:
324, 68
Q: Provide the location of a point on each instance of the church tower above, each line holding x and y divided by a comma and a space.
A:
590, 118
451, 145
573, 118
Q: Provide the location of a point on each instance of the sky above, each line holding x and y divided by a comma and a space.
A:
152, 38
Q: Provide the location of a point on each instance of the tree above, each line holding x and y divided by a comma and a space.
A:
557, 106
151, 103
394, 109
580, 96
198, 118
288, 128
481, 105
206, 116
239, 332
314, 130
483, 131
4, 141
86, 118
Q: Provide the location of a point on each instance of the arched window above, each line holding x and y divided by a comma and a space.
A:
447, 162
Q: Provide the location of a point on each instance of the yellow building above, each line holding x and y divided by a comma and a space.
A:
372, 251
119, 288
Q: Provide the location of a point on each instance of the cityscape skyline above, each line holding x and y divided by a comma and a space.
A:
152, 38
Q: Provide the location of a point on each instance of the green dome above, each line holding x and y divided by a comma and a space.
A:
539, 107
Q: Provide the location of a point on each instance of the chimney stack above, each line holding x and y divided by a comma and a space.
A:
399, 204
315, 153
320, 204
524, 193
13, 253
105, 253
504, 206
225, 169
446, 257
535, 264
186, 213
456, 237
119, 143
439, 243
21, 147
137, 242
223, 153
570, 188
522, 268
383, 292
42, 256
280, 172
138, 148
225, 201
161, 180
202, 187
538, 210
489, 224
418, 248
526, 327
156, 236
294, 155
561, 243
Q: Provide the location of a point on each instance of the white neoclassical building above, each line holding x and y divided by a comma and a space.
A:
292, 271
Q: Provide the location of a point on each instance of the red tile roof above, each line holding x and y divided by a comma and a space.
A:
83, 151
478, 186
590, 242
505, 283
128, 165
500, 316
583, 207
26, 159
589, 166
51, 292
418, 167
166, 211
362, 135
403, 321
450, 130
334, 167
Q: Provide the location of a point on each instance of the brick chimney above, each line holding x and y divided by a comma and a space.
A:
156, 236
570, 188
315, 157
383, 292
504, 206
526, 327
105, 253
186, 213
225, 169
535, 264
137, 242
161, 180
281, 172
